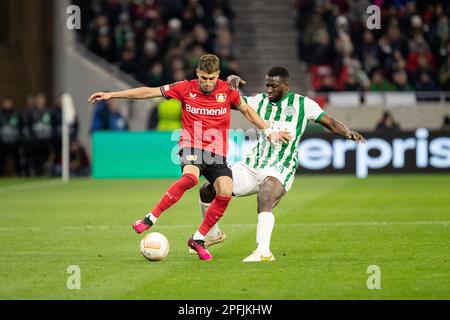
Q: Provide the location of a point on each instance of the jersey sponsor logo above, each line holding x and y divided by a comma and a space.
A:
221, 97
166, 88
289, 111
206, 111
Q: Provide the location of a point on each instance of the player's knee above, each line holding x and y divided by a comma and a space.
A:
225, 193
207, 193
265, 202
264, 197
224, 187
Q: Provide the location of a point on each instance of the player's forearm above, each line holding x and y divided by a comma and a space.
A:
137, 93
255, 119
338, 128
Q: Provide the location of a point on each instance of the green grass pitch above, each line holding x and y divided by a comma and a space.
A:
328, 231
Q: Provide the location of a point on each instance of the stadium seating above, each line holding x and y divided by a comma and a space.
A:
410, 52
158, 42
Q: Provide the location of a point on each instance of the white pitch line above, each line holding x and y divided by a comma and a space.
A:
305, 225
30, 186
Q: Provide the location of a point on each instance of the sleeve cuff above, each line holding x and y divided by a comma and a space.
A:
163, 93
236, 107
320, 117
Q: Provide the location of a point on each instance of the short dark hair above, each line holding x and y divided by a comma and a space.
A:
209, 63
278, 72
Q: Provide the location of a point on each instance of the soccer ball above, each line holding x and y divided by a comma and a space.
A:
154, 246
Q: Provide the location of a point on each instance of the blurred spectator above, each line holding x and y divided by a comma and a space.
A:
117, 121
100, 117
368, 52
40, 126
323, 50
107, 116
379, 83
422, 57
79, 160
10, 129
150, 54
230, 67
387, 123
128, 63
27, 140
166, 116
79, 163
103, 47
327, 84
446, 124
155, 77
347, 67
425, 82
401, 81
444, 75
441, 39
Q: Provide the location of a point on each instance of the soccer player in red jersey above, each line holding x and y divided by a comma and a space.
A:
206, 105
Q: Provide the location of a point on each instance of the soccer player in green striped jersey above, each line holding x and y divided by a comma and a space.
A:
269, 169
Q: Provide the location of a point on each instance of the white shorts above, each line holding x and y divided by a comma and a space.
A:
247, 180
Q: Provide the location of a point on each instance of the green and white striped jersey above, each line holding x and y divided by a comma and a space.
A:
292, 114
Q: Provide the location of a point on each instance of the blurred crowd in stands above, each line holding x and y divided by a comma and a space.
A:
108, 116
410, 51
31, 140
159, 41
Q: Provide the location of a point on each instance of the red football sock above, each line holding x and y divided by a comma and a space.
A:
175, 193
214, 213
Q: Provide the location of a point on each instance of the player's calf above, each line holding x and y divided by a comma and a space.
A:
214, 213
207, 193
173, 194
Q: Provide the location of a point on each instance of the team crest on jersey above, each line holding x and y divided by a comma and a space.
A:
290, 111
221, 97
191, 157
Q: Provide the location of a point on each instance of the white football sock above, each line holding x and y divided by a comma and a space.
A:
214, 231
266, 221
198, 236
152, 218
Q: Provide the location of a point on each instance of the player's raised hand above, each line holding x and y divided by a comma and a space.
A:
100, 96
284, 136
235, 81
356, 136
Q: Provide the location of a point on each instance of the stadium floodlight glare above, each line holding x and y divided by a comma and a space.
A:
68, 119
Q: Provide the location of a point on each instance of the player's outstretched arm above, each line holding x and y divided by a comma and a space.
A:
341, 129
137, 93
254, 118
